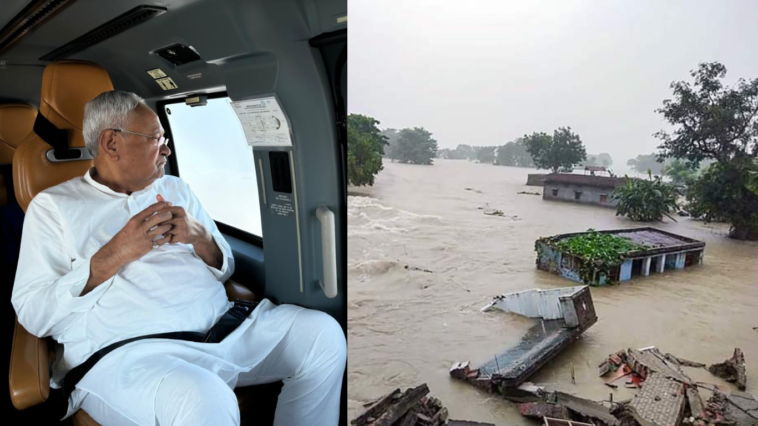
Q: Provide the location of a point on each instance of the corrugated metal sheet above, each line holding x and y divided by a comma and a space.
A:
534, 303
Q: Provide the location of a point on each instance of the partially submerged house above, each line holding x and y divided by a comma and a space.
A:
661, 251
564, 313
584, 189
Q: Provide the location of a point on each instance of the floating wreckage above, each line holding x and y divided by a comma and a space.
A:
666, 395
565, 314
640, 252
732, 370
409, 408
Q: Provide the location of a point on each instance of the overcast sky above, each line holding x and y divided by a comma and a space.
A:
486, 72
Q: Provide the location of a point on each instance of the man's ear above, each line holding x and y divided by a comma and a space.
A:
108, 146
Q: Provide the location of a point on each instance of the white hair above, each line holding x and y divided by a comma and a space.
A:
109, 110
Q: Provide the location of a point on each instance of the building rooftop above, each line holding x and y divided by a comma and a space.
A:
597, 181
656, 240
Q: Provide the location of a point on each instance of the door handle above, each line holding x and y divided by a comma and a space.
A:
328, 251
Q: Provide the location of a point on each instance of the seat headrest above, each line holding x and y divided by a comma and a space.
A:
16, 121
66, 87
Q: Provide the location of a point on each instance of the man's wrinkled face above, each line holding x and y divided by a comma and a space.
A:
142, 160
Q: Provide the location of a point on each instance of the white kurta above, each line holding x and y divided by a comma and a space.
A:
168, 289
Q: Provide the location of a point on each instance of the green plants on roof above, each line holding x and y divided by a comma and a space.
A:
598, 253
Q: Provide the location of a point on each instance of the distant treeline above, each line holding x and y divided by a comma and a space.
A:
513, 154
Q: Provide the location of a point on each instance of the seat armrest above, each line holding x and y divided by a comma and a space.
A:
29, 376
238, 291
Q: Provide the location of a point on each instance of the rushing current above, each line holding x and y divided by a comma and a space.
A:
423, 259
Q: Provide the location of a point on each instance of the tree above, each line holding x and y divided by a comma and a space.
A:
752, 183
604, 159
680, 172
415, 146
444, 153
365, 147
645, 200
716, 122
391, 136
600, 160
561, 151
463, 152
646, 162
485, 154
514, 154
725, 187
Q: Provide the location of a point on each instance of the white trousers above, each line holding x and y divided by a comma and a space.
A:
310, 360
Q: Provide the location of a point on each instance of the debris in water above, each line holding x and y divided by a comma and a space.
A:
543, 409
494, 212
742, 409
561, 422
412, 407
660, 403
528, 193
565, 314
686, 362
413, 268
732, 370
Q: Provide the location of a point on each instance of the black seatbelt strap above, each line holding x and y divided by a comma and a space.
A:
225, 326
55, 137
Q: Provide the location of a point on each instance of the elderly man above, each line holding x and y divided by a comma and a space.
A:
125, 251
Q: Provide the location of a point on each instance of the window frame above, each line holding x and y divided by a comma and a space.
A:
174, 165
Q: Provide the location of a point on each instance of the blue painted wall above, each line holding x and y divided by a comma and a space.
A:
625, 272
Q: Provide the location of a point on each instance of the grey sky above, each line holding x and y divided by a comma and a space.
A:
486, 72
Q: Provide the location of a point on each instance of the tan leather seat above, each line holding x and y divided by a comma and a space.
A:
16, 122
66, 87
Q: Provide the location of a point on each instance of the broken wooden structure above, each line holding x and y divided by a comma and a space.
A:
410, 408
564, 313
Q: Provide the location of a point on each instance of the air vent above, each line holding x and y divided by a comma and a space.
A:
128, 20
32, 16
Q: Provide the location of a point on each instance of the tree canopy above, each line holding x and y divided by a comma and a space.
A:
514, 154
680, 172
415, 146
646, 162
485, 154
600, 160
711, 120
365, 147
391, 136
718, 122
561, 151
461, 152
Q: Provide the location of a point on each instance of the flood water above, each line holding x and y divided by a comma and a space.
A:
423, 259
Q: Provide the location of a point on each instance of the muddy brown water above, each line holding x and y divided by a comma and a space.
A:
407, 325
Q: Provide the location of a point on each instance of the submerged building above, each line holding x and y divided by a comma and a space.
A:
585, 189
663, 251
